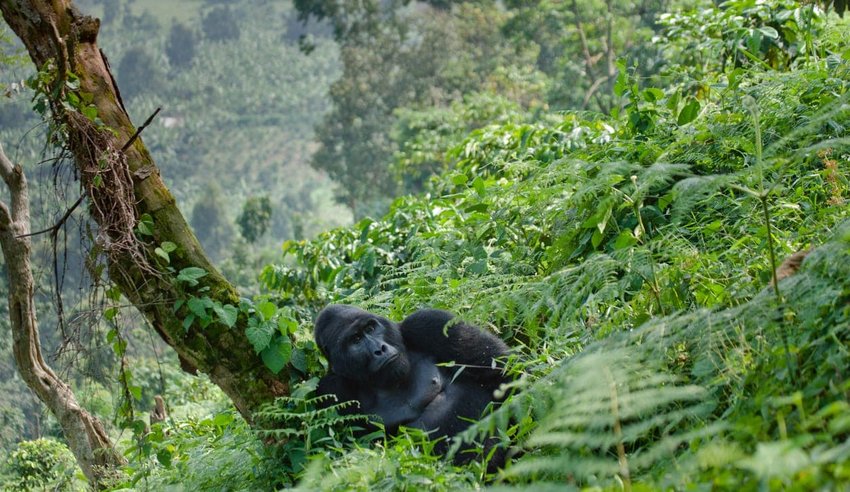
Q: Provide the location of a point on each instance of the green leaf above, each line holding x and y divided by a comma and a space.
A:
478, 207
226, 313
187, 322
260, 336
164, 457
277, 354
90, 112
168, 246
119, 347
162, 254
145, 225
364, 226
652, 94
673, 102
769, 32
299, 360
596, 239
478, 184
665, 200
223, 419
478, 267
191, 275
113, 294
368, 262
286, 325
110, 313
266, 309
689, 112
136, 391
622, 79
625, 240
198, 306
459, 179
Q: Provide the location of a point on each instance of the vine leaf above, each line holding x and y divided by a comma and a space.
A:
226, 314
277, 354
191, 275
260, 335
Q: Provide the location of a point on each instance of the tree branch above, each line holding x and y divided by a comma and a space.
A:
589, 62
5, 217
86, 437
16, 182
140, 130
6, 166
55, 227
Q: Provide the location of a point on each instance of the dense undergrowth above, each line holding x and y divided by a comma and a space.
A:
630, 261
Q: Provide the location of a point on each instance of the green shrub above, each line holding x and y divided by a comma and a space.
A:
42, 464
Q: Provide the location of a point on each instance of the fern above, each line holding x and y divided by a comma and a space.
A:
304, 419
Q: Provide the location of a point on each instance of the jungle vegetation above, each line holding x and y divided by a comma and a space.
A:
646, 199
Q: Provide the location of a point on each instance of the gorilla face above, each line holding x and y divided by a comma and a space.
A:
362, 346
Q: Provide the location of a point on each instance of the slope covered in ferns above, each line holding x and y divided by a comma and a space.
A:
630, 260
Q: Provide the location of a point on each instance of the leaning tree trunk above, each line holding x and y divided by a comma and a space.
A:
85, 435
122, 183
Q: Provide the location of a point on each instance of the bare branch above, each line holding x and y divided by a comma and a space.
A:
591, 92
140, 130
589, 61
55, 227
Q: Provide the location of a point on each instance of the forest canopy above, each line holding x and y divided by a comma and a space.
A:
646, 201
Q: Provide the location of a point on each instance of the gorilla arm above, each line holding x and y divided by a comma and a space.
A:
344, 390
425, 331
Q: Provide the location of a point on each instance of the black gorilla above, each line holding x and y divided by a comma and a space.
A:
393, 370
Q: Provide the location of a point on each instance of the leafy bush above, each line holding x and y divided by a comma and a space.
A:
42, 464
217, 452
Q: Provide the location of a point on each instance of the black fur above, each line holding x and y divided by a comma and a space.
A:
392, 369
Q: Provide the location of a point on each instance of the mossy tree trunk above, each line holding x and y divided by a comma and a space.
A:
116, 179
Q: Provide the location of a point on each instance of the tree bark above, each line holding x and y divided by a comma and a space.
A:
56, 33
86, 437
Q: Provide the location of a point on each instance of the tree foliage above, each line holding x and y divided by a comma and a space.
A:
255, 217
402, 63
219, 24
42, 464
139, 73
181, 47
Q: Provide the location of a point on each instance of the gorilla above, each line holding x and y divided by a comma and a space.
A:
398, 371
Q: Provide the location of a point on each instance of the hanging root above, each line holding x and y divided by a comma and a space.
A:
107, 181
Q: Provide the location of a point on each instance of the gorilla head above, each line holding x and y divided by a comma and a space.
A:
362, 346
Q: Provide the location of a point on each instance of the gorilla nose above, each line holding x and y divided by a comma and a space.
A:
382, 350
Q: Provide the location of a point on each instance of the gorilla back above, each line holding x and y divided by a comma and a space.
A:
398, 371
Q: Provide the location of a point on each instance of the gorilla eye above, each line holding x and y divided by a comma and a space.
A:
356, 338
370, 327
